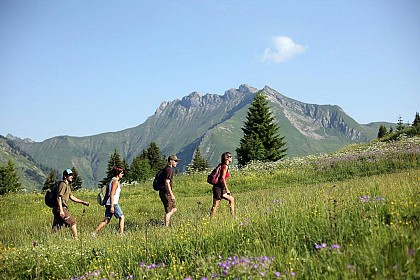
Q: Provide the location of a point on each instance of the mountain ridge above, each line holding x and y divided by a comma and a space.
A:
208, 121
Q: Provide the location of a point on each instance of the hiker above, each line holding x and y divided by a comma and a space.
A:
220, 189
112, 208
61, 215
166, 194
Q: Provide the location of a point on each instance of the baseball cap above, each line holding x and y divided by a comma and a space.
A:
173, 157
67, 172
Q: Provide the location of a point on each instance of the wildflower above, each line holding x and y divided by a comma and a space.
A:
412, 252
277, 274
320, 246
335, 246
364, 198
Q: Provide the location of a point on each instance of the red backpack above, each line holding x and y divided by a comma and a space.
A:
214, 177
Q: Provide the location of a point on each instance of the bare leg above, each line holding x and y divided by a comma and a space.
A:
231, 204
73, 229
101, 225
168, 216
121, 225
216, 204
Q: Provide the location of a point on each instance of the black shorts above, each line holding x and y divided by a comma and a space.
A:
218, 192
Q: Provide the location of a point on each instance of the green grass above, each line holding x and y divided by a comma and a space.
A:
349, 215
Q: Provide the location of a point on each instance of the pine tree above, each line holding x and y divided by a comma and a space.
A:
77, 180
416, 121
114, 161
9, 179
140, 170
145, 165
400, 124
198, 163
156, 160
261, 140
382, 131
51, 179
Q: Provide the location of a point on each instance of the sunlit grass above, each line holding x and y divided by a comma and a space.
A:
338, 216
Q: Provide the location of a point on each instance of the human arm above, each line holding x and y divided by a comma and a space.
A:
168, 187
223, 173
77, 200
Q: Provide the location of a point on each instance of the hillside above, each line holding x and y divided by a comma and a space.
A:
211, 122
32, 176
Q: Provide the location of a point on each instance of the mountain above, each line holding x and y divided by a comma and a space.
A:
32, 175
211, 122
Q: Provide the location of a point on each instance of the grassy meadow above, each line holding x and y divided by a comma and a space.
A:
353, 214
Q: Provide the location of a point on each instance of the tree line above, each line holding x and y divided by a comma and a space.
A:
261, 141
409, 130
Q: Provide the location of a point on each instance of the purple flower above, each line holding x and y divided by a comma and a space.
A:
335, 246
320, 246
364, 198
412, 252
278, 274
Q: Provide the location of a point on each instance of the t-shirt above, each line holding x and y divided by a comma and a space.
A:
167, 174
64, 191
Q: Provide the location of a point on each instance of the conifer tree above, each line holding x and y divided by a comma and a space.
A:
153, 154
400, 124
114, 161
416, 121
9, 179
140, 170
261, 140
198, 163
382, 131
51, 179
77, 180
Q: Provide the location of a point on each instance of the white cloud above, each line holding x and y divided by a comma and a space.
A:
284, 49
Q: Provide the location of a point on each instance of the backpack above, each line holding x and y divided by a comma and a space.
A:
214, 177
157, 181
51, 194
103, 195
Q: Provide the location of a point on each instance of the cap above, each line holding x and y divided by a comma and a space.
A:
67, 172
173, 157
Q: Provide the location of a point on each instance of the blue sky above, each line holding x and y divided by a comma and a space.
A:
82, 68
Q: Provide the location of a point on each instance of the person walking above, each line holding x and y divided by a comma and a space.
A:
166, 192
112, 208
62, 216
220, 189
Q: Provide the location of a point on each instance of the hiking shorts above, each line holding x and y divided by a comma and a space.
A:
118, 213
218, 192
67, 221
168, 202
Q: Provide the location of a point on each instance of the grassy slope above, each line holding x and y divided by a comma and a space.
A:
281, 213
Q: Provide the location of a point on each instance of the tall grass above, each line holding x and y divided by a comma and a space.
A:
349, 215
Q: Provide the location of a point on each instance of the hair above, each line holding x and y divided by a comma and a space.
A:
117, 170
224, 157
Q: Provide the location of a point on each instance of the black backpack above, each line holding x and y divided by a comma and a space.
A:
157, 182
51, 195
